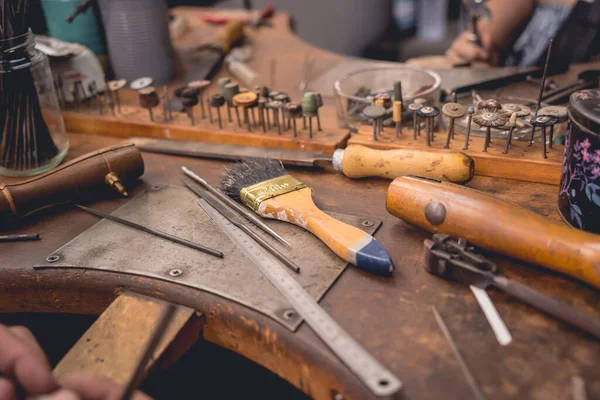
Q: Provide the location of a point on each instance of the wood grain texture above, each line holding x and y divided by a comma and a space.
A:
498, 226
360, 162
346, 241
136, 122
114, 344
522, 162
390, 317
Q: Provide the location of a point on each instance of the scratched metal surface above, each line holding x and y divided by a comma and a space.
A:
112, 247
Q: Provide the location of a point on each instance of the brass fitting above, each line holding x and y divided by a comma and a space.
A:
112, 180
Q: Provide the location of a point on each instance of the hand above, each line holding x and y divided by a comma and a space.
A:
23, 364
464, 51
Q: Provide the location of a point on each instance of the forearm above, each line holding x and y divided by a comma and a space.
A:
507, 17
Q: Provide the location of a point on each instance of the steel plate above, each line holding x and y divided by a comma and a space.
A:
112, 247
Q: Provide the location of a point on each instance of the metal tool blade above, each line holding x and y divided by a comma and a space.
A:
370, 371
210, 62
217, 151
489, 310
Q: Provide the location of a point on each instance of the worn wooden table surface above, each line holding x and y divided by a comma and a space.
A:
391, 317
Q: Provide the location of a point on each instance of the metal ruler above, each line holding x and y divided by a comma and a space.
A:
370, 371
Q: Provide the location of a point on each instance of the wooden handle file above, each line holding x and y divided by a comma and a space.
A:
350, 243
360, 162
496, 225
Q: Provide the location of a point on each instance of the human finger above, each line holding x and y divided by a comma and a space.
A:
92, 387
25, 363
7, 389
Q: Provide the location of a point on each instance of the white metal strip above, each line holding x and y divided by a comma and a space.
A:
500, 330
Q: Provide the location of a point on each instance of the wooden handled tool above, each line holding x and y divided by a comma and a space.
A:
111, 165
265, 187
496, 225
359, 162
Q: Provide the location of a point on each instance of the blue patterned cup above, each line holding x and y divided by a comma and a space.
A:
579, 196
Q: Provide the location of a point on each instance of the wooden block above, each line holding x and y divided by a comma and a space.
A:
135, 121
113, 345
522, 162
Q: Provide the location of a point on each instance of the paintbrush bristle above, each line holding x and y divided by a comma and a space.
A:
247, 173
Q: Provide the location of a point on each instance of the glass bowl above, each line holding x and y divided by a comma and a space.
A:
354, 92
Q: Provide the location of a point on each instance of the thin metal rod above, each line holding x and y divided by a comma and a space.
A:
543, 84
551, 136
450, 131
461, 361
237, 221
201, 106
488, 134
160, 234
26, 237
249, 215
544, 142
555, 308
415, 122
229, 113
508, 139
136, 379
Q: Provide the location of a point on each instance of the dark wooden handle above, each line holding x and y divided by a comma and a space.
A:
69, 181
496, 225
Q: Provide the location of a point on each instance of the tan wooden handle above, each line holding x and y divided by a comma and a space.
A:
496, 225
360, 162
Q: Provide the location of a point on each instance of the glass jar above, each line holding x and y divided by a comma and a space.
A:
33, 138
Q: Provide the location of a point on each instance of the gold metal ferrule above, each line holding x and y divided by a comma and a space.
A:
253, 195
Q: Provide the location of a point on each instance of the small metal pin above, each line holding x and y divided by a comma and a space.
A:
488, 119
261, 114
559, 112
217, 101
429, 113
374, 113
319, 105
543, 121
165, 107
189, 99
210, 117
512, 122
414, 107
310, 109
276, 118
114, 87
294, 111
246, 100
200, 87
148, 99
452, 111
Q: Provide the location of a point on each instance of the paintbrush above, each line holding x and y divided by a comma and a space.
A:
265, 187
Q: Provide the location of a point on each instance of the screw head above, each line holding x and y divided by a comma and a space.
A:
175, 272
53, 258
367, 223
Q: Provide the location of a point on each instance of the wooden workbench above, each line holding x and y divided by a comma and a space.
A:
391, 317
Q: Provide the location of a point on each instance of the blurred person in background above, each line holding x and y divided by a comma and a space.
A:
519, 31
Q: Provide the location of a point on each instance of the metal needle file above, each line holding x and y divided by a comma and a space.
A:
163, 235
237, 221
240, 209
461, 361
